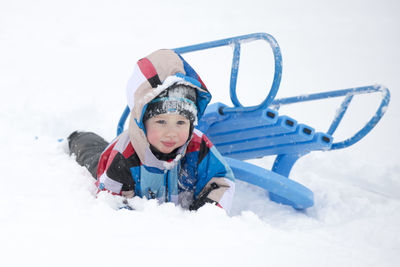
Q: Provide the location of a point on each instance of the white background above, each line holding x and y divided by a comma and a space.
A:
64, 66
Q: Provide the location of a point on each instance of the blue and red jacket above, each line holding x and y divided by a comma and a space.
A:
128, 166
120, 170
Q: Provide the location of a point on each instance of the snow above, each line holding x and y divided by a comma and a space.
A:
64, 66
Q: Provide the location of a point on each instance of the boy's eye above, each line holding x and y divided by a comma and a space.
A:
181, 122
161, 121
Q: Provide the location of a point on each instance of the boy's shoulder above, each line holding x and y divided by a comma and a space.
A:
199, 141
123, 145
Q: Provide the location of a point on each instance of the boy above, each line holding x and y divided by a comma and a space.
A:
161, 155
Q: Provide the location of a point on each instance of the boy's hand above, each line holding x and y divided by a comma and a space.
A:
198, 203
203, 198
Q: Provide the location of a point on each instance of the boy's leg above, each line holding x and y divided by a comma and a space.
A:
87, 147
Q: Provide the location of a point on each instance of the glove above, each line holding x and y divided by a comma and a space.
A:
203, 198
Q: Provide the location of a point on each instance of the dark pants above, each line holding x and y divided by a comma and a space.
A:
87, 147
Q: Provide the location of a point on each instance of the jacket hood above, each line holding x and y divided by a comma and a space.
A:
152, 75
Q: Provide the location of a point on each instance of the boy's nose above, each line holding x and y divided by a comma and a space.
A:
171, 131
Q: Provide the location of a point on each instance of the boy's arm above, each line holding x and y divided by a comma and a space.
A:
117, 177
215, 178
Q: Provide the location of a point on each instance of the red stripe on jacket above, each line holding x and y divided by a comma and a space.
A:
195, 143
147, 68
104, 159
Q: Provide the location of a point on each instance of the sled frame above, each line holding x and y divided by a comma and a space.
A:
275, 181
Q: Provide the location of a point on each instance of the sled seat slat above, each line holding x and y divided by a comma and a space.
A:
248, 135
284, 125
319, 142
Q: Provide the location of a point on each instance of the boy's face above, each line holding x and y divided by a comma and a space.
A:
167, 132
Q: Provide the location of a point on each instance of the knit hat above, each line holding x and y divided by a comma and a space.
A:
176, 99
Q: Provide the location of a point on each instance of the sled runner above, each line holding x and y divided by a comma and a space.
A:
247, 132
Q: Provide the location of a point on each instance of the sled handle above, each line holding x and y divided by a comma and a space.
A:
348, 94
121, 123
236, 43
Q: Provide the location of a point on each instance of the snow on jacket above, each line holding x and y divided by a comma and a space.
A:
128, 167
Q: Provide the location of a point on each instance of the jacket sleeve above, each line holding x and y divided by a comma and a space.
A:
215, 178
116, 176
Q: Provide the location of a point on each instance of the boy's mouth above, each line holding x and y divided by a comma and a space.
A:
168, 144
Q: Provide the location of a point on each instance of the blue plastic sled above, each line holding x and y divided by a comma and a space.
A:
241, 133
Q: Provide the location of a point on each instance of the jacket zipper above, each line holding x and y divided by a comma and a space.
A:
166, 187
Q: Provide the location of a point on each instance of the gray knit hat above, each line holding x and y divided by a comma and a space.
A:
177, 99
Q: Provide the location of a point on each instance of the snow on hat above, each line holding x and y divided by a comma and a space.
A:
177, 99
